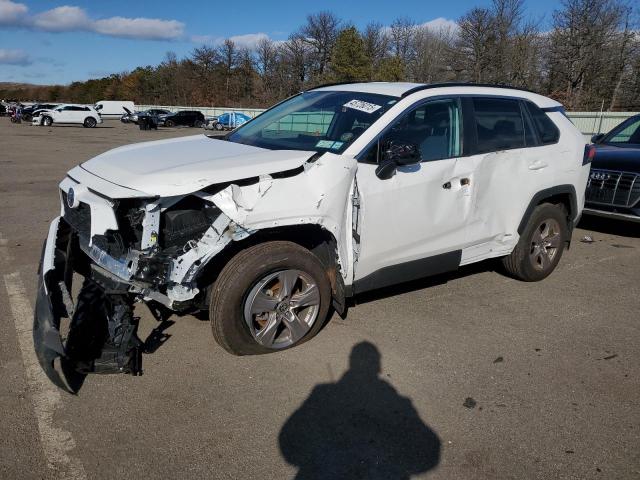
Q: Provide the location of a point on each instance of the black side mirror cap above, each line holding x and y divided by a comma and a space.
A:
597, 138
386, 169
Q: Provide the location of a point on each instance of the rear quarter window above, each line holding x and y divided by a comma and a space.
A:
547, 131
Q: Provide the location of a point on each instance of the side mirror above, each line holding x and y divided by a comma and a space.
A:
397, 153
597, 138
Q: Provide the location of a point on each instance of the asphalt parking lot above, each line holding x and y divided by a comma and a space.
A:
480, 376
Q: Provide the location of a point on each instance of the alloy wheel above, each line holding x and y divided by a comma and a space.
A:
545, 244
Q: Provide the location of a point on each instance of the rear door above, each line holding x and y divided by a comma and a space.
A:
511, 166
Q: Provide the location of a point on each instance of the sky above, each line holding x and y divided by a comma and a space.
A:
57, 42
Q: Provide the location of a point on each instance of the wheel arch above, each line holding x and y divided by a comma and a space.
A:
318, 240
560, 194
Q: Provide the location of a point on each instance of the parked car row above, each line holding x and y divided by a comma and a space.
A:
188, 118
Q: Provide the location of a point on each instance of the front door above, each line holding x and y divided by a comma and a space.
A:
413, 224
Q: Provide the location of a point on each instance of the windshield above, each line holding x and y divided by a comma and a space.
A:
627, 133
318, 120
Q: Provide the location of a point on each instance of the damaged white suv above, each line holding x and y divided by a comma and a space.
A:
333, 192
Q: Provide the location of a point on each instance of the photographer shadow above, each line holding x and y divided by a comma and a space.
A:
358, 427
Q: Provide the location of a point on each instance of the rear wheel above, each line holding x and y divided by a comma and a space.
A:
269, 297
198, 124
89, 122
218, 126
541, 244
169, 123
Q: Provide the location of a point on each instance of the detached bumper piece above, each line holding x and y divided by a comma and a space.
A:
102, 331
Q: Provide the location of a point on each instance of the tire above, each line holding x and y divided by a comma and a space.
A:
265, 268
218, 126
89, 122
541, 244
198, 124
46, 121
169, 123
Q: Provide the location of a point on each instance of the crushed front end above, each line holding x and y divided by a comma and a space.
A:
119, 252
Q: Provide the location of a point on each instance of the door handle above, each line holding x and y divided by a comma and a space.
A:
465, 182
447, 186
537, 165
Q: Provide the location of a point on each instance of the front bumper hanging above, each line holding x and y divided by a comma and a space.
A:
102, 335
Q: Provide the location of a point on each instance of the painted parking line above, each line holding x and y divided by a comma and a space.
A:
56, 442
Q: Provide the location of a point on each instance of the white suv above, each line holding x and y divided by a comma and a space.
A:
79, 114
333, 192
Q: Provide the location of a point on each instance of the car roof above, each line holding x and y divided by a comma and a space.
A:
403, 89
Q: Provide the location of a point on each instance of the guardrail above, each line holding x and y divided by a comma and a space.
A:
589, 123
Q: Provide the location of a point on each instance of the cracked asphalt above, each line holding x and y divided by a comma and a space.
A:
468, 375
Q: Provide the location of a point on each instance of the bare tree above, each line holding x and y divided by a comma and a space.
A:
320, 33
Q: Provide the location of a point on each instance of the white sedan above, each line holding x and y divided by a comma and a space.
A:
78, 114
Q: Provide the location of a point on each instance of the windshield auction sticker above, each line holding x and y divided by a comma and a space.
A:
362, 106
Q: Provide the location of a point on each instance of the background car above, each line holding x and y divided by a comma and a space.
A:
613, 189
132, 117
74, 114
27, 112
229, 121
189, 118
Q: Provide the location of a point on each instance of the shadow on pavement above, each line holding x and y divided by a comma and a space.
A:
358, 428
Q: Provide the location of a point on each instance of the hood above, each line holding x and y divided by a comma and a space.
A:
610, 157
183, 165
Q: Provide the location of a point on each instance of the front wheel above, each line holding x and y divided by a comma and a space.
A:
169, 123
46, 121
541, 244
269, 297
218, 126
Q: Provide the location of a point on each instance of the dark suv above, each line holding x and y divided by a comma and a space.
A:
189, 118
613, 189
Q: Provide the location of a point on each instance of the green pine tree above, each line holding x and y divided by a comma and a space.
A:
349, 61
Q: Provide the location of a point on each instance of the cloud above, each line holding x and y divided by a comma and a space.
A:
62, 19
440, 24
14, 57
11, 12
68, 18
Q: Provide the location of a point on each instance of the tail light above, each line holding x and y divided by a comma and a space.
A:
589, 154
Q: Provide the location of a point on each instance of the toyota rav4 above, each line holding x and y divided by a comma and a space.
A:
336, 191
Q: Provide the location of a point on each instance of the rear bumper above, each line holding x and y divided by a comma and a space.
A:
613, 215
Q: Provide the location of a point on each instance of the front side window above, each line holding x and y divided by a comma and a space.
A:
318, 121
627, 133
435, 128
499, 124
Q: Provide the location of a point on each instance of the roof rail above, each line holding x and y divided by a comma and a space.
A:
333, 84
428, 86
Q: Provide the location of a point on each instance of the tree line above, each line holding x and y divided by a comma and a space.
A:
588, 59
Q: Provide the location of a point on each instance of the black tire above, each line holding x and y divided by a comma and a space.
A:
46, 121
198, 124
218, 126
526, 262
238, 278
169, 123
89, 122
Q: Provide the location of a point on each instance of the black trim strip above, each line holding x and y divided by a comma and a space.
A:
461, 84
405, 272
548, 193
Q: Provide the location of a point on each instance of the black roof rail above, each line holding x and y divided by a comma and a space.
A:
333, 84
428, 86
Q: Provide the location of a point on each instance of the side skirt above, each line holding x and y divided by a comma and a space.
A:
406, 272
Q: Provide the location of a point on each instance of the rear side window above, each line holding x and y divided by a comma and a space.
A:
499, 124
547, 131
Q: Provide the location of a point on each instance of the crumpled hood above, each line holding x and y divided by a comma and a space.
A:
183, 165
